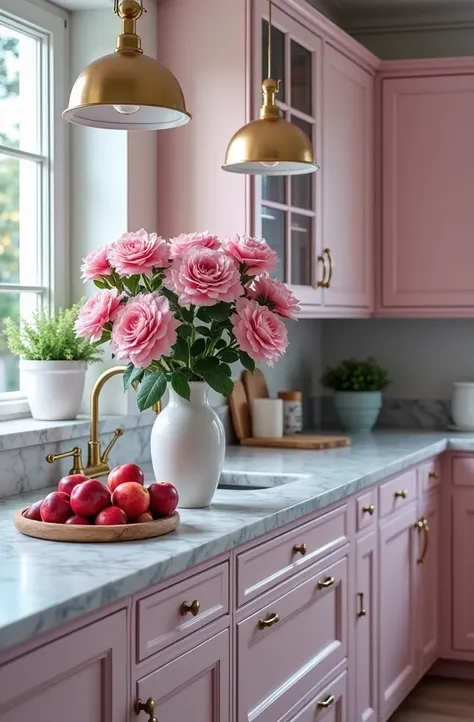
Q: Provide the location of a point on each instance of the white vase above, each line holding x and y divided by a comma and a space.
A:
53, 388
188, 446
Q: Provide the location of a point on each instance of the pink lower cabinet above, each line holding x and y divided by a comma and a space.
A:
195, 686
365, 613
462, 529
81, 677
289, 646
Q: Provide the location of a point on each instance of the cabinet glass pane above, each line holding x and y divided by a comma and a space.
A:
301, 249
274, 232
302, 185
278, 57
301, 82
274, 188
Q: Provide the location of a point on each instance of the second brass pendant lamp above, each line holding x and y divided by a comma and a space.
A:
270, 145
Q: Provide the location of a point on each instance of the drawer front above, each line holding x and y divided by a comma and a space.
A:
162, 619
305, 638
270, 563
397, 493
366, 509
329, 705
462, 471
429, 475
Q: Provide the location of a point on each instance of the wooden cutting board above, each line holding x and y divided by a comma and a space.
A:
255, 385
240, 413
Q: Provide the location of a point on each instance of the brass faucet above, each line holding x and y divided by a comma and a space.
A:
97, 462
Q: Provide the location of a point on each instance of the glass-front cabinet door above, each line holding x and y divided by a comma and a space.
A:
287, 209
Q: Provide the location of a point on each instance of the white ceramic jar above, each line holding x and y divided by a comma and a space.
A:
292, 411
462, 405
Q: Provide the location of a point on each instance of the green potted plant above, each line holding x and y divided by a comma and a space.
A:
357, 387
53, 362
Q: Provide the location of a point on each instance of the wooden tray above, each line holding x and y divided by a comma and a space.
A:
88, 534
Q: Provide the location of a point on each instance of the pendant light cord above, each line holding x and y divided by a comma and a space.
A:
269, 63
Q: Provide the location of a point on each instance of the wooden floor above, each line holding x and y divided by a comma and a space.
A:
438, 700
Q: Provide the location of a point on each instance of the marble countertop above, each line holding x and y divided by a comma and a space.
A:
45, 584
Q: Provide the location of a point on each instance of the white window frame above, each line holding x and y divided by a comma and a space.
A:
49, 23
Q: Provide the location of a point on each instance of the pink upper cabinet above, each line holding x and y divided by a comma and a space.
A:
347, 177
427, 248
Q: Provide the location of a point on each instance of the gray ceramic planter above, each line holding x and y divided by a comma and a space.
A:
358, 410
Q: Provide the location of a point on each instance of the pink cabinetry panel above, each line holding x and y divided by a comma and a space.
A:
427, 209
463, 579
161, 620
347, 177
398, 493
264, 566
398, 638
365, 612
462, 471
195, 686
79, 677
427, 581
305, 638
329, 705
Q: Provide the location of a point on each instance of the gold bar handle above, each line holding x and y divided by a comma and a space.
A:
323, 283
269, 621
362, 612
401, 494
369, 509
327, 702
328, 582
76, 453
300, 549
148, 707
327, 253
422, 526
192, 608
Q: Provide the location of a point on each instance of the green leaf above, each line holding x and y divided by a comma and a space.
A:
198, 347
221, 344
184, 331
187, 315
203, 314
225, 369
219, 312
137, 376
151, 390
247, 362
210, 363
181, 350
131, 283
204, 331
100, 284
218, 381
180, 384
126, 376
229, 355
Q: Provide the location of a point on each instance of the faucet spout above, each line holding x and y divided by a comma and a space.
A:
96, 463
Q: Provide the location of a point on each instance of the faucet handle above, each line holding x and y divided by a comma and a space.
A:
76, 454
105, 456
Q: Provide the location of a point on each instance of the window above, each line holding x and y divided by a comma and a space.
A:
33, 205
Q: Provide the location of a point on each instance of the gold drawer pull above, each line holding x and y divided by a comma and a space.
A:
300, 549
328, 582
327, 702
194, 608
269, 622
369, 509
433, 475
148, 707
401, 494
423, 526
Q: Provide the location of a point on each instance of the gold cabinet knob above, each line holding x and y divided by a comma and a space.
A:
326, 702
328, 582
433, 475
401, 494
192, 608
369, 509
148, 707
300, 549
269, 621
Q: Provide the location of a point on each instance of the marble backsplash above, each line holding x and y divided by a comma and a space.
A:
429, 414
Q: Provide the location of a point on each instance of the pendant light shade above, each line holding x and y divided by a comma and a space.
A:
127, 90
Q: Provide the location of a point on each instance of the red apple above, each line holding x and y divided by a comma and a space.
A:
55, 508
146, 516
67, 483
33, 512
76, 519
132, 497
110, 516
90, 497
164, 498
63, 495
123, 473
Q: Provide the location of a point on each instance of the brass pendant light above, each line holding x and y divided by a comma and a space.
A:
270, 145
127, 90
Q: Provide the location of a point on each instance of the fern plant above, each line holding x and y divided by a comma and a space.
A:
50, 338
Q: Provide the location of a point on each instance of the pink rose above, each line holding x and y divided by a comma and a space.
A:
187, 241
138, 253
274, 293
145, 330
204, 277
100, 309
96, 265
255, 254
259, 332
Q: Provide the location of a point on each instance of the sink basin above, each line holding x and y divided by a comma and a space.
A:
256, 480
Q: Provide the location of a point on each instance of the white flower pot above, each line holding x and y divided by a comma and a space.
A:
54, 388
188, 446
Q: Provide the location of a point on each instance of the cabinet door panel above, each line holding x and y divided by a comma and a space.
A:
365, 614
428, 213
196, 686
348, 180
79, 677
463, 580
427, 582
397, 559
